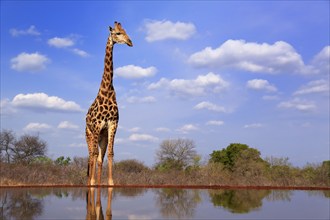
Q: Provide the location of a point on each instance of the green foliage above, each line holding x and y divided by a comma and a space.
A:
326, 168
23, 160
169, 164
235, 154
62, 162
280, 171
195, 165
42, 160
238, 201
130, 166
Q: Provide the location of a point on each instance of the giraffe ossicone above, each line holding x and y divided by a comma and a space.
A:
102, 116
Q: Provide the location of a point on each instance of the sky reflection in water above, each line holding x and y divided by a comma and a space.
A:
139, 203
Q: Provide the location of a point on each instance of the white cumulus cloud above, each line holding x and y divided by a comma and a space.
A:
188, 128
31, 62
36, 127
6, 107
279, 57
196, 87
60, 42
67, 43
135, 72
215, 122
134, 129
316, 86
79, 52
32, 30
43, 102
210, 106
142, 137
163, 30
321, 61
298, 104
67, 125
260, 84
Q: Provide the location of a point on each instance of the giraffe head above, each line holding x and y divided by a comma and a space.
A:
119, 35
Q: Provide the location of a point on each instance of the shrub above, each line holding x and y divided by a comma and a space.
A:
234, 155
130, 166
61, 161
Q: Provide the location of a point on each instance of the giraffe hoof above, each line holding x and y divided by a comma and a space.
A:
110, 183
92, 183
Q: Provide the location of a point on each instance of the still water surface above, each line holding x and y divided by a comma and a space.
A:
165, 203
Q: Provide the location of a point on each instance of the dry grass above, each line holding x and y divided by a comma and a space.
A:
211, 174
47, 174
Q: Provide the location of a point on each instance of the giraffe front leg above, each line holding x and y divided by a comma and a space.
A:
99, 168
91, 202
110, 163
90, 143
89, 168
93, 170
108, 211
93, 162
99, 211
111, 137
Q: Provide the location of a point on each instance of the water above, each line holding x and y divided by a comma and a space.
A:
165, 203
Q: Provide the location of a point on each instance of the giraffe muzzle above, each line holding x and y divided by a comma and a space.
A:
129, 43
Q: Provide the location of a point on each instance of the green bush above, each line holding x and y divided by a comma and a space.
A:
235, 155
130, 166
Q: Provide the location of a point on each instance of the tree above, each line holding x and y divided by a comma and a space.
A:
280, 170
61, 161
249, 164
7, 142
29, 147
325, 170
238, 201
278, 161
176, 154
234, 155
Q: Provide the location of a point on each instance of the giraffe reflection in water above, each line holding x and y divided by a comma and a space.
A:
94, 207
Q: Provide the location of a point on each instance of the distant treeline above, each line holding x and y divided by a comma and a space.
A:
23, 161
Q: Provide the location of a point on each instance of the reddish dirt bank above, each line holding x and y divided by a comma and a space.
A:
181, 187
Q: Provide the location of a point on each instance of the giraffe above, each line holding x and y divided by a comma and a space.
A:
94, 210
102, 116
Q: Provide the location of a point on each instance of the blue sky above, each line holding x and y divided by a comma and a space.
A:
217, 72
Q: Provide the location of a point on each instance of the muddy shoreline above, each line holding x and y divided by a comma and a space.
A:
175, 186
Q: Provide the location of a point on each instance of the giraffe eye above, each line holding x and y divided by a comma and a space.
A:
118, 33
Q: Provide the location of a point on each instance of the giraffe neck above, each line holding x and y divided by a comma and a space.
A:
106, 84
